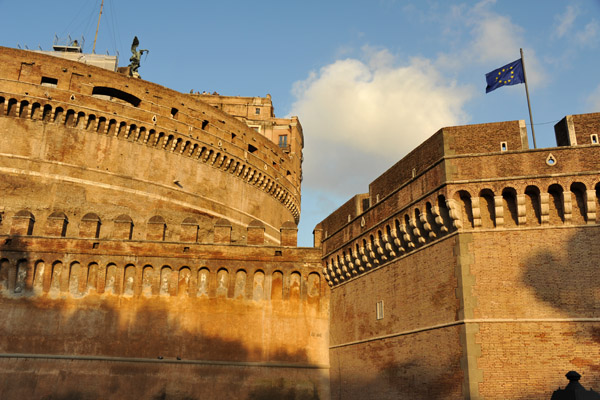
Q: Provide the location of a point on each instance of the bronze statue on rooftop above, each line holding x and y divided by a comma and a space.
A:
136, 57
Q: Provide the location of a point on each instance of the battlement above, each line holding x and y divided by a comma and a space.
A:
578, 130
82, 267
449, 184
426, 165
451, 141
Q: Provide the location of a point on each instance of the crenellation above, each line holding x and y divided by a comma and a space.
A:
16, 272
507, 210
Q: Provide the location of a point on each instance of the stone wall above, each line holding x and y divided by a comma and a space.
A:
58, 114
484, 264
202, 321
148, 244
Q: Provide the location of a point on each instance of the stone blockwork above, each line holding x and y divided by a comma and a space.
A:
475, 254
123, 140
148, 244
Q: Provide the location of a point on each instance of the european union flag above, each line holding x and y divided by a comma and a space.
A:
510, 74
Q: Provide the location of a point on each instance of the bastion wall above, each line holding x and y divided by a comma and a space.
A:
470, 274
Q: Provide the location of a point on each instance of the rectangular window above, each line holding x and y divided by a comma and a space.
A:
257, 111
366, 204
379, 310
594, 138
503, 146
283, 141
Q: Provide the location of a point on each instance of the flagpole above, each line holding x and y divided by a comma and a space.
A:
528, 103
97, 27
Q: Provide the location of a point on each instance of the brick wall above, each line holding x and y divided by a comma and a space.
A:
406, 353
585, 125
118, 308
537, 297
485, 263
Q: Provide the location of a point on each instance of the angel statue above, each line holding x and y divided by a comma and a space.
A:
136, 57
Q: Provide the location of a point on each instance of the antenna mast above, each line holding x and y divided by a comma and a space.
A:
97, 27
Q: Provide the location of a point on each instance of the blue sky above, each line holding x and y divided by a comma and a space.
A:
369, 80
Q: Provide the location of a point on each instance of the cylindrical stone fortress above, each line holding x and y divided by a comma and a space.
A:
147, 161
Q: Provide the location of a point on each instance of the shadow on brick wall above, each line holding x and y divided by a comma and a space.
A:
171, 355
412, 379
568, 278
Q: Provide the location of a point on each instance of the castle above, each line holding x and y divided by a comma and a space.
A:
148, 250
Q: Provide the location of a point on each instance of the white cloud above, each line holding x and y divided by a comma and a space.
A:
360, 116
565, 20
495, 37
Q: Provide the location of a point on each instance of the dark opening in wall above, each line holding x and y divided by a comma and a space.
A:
204, 124
251, 148
116, 93
366, 203
174, 112
50, 82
